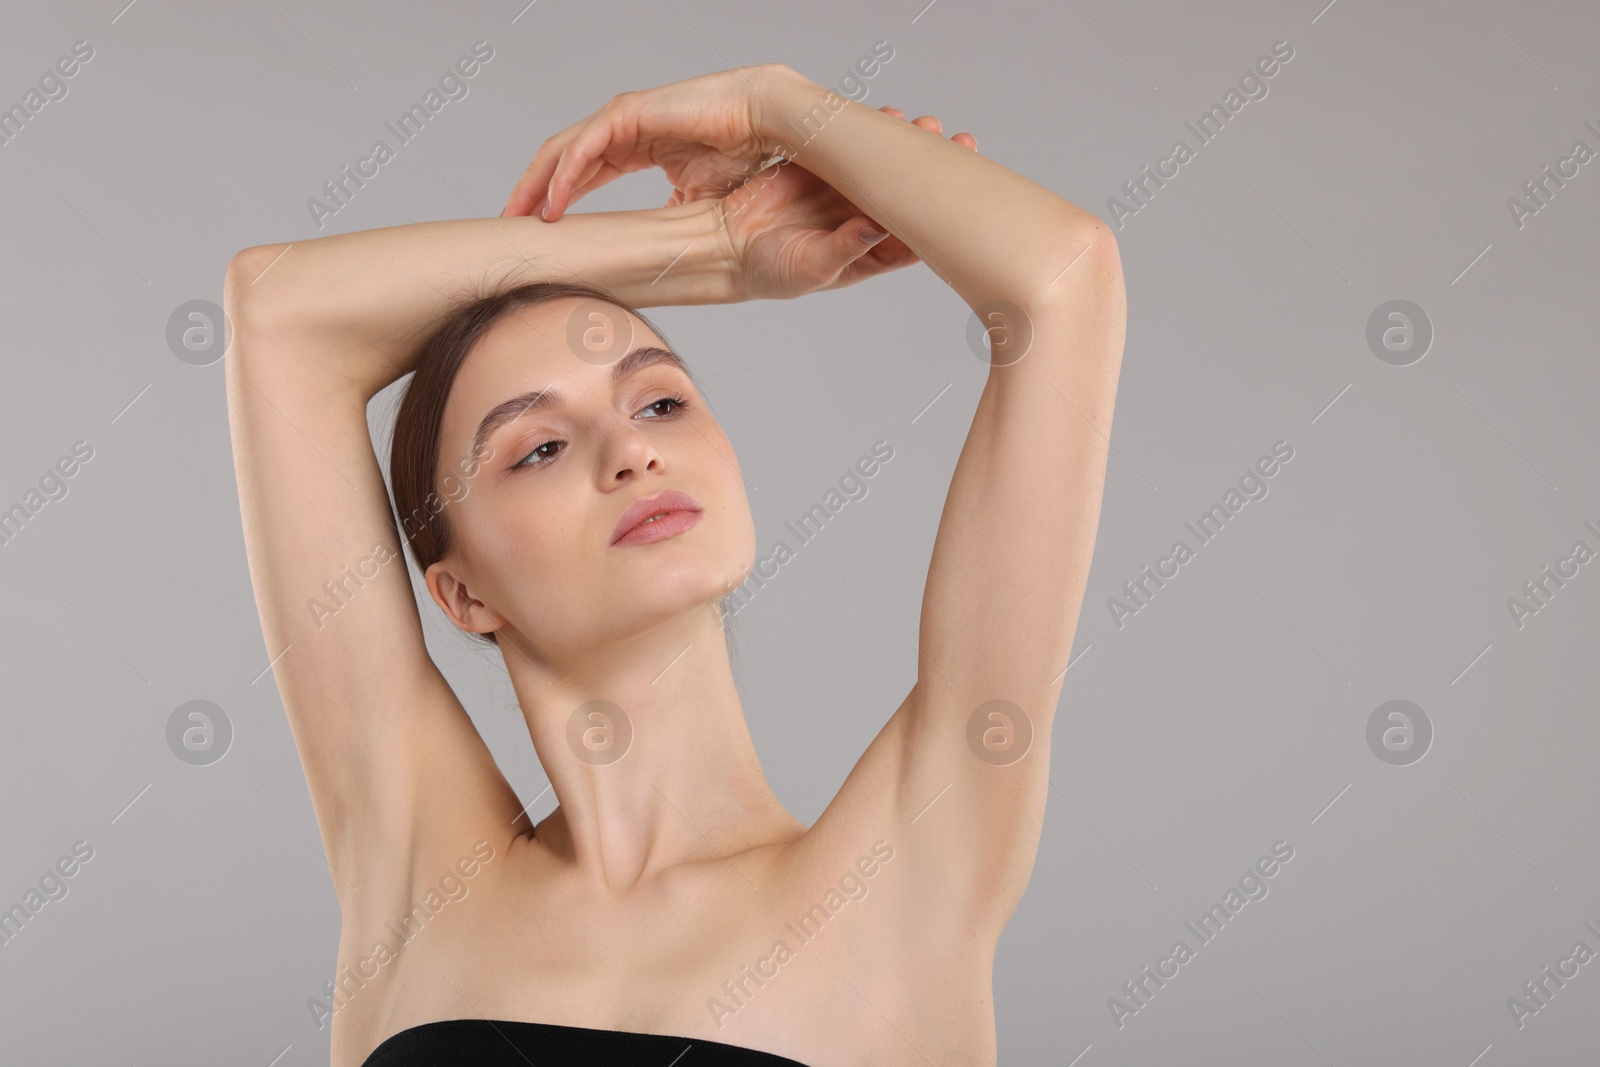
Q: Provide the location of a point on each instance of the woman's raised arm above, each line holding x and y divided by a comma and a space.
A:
350, 309
1012, 553
318, 328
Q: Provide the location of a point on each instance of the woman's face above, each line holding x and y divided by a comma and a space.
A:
533, 528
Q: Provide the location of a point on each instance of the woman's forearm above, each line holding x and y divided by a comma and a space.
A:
986, 230
358, 304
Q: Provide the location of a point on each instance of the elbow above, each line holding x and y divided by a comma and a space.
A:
1079, 263
246, 296
1091, 238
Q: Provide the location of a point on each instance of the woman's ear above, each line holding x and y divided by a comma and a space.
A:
456, 600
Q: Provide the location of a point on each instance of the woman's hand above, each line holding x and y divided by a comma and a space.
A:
790, 233
706, 133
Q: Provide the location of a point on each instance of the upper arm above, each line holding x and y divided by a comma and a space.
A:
961, 770
373, 719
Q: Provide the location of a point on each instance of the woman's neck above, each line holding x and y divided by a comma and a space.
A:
647, 749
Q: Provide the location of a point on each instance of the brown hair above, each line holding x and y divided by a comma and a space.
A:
414, 446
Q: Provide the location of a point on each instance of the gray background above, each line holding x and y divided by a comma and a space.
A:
1228, 714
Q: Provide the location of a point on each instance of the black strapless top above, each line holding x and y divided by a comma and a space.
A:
494, 1043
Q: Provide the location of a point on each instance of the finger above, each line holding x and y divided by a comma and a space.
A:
929, 122
896, 112
887, 255
599, 173
969, 141
532, 192
530, 188
518, 202
578, 164
528, 194
547, 204
848, 243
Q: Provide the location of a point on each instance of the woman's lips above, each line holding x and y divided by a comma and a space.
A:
659, 528
655, 517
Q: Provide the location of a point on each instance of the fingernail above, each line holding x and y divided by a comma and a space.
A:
871, 236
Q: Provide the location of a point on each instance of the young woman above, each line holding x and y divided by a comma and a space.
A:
567, 495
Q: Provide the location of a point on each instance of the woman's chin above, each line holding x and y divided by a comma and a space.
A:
670, 592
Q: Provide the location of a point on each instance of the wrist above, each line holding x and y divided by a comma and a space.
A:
657, 257
784, 99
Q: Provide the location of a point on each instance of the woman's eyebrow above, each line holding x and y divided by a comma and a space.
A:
538, 399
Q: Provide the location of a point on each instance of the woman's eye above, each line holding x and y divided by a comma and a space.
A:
678, 404
538, 457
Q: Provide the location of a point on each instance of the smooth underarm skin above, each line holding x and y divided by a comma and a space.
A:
942, 812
